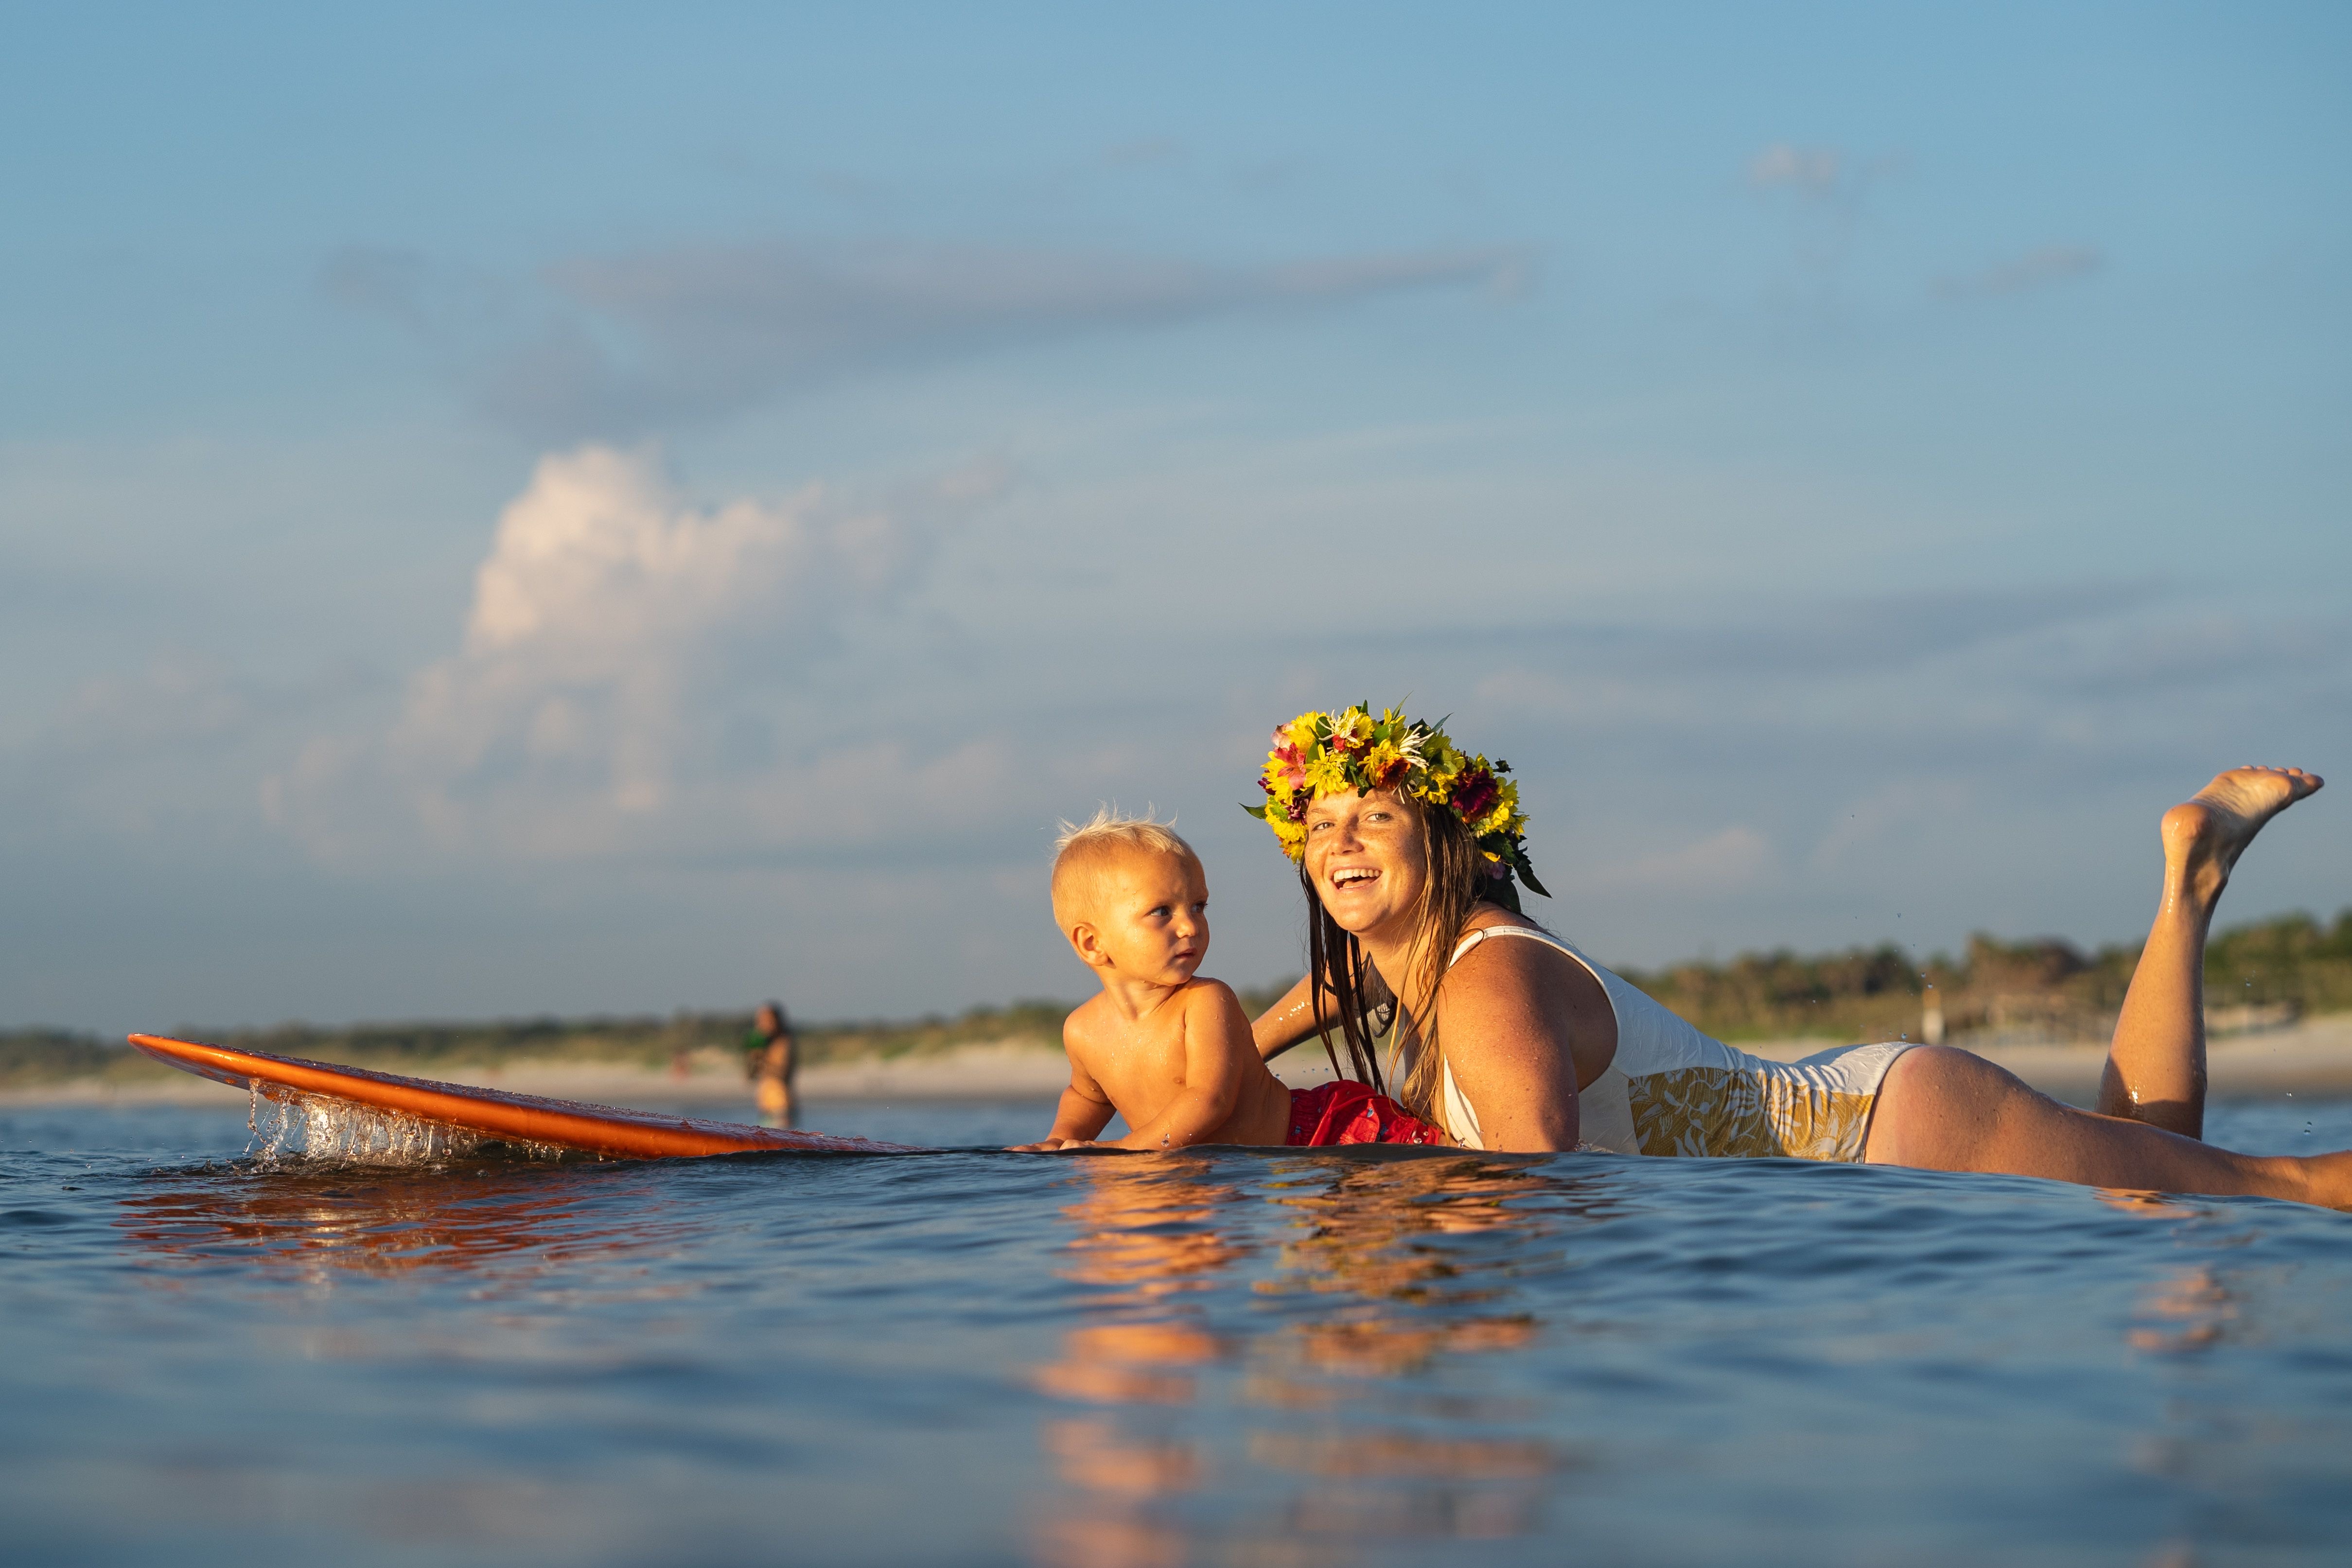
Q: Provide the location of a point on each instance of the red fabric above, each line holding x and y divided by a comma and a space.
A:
1346, 1111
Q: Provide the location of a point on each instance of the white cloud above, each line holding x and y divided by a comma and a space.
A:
584, 713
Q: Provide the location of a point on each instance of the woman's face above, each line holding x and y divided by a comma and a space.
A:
1369, 860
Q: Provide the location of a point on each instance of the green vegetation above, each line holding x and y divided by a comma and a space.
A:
30, 1058
2288, 967
2285, 967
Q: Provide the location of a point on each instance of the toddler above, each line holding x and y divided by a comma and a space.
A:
1161, 1046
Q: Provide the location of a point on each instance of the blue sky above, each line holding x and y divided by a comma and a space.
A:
520, 509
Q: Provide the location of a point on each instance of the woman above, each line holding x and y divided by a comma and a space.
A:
1408, 849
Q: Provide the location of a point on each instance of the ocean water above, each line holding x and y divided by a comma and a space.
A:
1211, 1358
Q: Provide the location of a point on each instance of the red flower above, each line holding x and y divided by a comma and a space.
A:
1474, 794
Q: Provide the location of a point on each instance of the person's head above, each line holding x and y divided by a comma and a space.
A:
770, 1018
1399, 837
1131, 899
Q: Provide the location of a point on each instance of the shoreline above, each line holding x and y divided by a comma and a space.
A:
2313, 1057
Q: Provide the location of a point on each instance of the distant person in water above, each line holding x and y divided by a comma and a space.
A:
771, 1058
1163, 1045
1409, 851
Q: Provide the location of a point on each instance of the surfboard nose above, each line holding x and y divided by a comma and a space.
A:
607, 1129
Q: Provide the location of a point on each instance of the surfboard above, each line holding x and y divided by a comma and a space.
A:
495, 1113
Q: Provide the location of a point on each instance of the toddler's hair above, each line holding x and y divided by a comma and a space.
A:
1083, 849
1109, 825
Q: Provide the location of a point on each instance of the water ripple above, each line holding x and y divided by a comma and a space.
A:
1216, 1356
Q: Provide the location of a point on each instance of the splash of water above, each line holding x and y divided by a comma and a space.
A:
290, 1126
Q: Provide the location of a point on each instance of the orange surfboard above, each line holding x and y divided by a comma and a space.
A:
494, 1114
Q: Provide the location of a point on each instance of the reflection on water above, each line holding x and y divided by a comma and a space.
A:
1383, 1290
2182, 1313
1208, 1358
491, 1220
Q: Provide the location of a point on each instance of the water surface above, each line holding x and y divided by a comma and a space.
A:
1214, 1358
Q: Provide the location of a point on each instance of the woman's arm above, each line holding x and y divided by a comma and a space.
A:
1292, 1019
1288, 1022
1506, 1012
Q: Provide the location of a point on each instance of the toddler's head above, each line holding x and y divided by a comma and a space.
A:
1130, 895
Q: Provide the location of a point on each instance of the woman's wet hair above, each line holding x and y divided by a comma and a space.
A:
1459, 878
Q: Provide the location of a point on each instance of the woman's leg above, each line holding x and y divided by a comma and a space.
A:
2156, 1065
1941, 1109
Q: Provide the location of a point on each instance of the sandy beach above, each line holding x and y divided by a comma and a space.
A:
2313, 1058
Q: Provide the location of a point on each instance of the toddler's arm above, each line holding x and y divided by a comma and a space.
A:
1076, 1121
1217, 1053
1084, 1108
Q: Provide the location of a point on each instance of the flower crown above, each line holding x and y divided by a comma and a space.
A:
1323, 753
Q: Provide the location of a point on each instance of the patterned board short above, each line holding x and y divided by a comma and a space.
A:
1817, 1109
1346, 1111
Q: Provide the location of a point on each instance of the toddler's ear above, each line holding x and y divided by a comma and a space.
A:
1087, 942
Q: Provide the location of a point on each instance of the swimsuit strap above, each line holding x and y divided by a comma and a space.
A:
1530, 932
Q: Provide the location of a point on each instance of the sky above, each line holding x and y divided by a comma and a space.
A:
530, 509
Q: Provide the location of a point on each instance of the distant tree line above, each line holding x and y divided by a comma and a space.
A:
2268, 973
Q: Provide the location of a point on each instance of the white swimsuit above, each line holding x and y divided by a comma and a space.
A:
1673, 1090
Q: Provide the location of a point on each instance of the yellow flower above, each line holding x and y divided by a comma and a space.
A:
1385, 760
1356, 751
1292, 836
1327, 774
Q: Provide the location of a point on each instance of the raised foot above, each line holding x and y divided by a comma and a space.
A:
2204, 835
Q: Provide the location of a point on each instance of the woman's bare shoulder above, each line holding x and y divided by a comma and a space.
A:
1495, 969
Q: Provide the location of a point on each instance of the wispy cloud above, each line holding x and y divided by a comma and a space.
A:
1823, 193
1823, 177
2036, 269
1830, 636
1720, 864
1815, 171
613, 348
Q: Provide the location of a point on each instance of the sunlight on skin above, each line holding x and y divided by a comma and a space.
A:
1524, 1027
1942, 1108
1510, 1024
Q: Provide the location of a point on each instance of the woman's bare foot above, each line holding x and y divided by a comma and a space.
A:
2204, 835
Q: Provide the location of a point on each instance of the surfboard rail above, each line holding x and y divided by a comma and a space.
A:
524, 1118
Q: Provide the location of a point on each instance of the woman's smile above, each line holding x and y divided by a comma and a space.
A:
1366, 856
